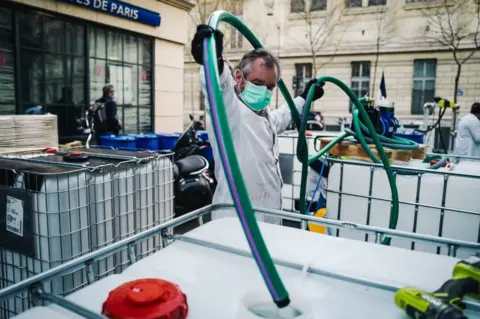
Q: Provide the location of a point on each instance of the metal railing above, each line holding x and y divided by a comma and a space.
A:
34, 286
71, 209
419, 203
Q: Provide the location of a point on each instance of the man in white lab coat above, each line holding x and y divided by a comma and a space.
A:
467, 142
254, 127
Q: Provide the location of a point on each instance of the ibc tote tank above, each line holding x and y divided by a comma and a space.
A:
450, 202
45, 223
153, 189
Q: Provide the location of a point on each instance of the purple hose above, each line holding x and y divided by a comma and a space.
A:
229, 175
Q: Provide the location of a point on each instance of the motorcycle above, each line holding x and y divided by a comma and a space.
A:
194, 186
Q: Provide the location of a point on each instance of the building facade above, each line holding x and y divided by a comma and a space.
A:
58, 54
355, 41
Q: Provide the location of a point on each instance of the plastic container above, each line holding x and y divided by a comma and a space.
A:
55, 229
208, 153
146, 298
167, 140
147, 141
434, 190
145, 198
203, 135
121, 141
412, 136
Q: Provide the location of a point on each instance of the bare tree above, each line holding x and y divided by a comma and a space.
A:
385, 26
456, 25
319, 30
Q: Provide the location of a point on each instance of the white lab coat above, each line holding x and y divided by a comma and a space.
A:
467, 142
256, 146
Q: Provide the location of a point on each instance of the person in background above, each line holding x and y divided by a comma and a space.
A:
254, 127
467, 142
105, 114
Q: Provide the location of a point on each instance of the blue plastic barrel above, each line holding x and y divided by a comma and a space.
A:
149, 141
208, 153
167, 140
121, 141
412, 136
203, 135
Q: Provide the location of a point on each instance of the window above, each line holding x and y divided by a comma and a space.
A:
424, 75
318, 5
124, 61
302, 5
377, 2
52, 68
414, 1
297, 6
354, 3
360, 79
7, 64
362, 3
202, 101
303, 74
236, 38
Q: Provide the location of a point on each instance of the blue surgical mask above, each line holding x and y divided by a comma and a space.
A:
257, 97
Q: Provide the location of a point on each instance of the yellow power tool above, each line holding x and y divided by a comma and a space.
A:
446, 302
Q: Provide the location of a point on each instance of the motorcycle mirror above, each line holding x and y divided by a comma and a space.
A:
191, 117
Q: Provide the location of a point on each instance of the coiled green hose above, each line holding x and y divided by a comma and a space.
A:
231, 167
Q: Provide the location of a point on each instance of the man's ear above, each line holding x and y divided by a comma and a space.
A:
238, 76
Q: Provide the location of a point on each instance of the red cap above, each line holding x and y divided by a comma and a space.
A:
308, 134
146, 299
50, 150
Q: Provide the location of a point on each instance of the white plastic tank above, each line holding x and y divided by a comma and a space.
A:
444, 196
152, 191
59, 228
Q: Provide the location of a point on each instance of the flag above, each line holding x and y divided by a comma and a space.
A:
383, 89
382, 92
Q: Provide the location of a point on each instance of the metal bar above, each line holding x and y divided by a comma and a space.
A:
442, 211
67, 304
340, 187
78, 263
408, 203
72, 265
417, 199
369, 207
316, 271
456, 156
402, 168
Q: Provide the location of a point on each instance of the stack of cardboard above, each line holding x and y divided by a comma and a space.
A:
23, 132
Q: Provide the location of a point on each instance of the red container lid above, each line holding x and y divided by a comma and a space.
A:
146, 299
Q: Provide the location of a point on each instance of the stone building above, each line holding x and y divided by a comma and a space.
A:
58, 54
343, 35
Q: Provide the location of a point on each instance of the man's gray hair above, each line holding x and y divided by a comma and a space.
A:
245, 64
107, 88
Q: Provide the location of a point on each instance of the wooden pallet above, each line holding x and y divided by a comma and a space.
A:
74, 144
352, 149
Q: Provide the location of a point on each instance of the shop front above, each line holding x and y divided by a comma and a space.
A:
56, 55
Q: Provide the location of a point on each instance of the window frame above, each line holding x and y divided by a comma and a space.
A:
364, 4
415, 109
360, 78
305, 66
16, 8
307, 4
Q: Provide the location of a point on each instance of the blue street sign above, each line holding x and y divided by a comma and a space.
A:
120, 9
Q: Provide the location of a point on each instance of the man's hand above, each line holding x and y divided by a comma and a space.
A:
318, 90
205, 31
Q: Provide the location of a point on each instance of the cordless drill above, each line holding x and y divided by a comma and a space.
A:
446, 302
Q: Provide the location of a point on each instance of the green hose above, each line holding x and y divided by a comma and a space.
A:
231, 166
302, 150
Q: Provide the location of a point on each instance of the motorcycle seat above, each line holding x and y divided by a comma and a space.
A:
194, 164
